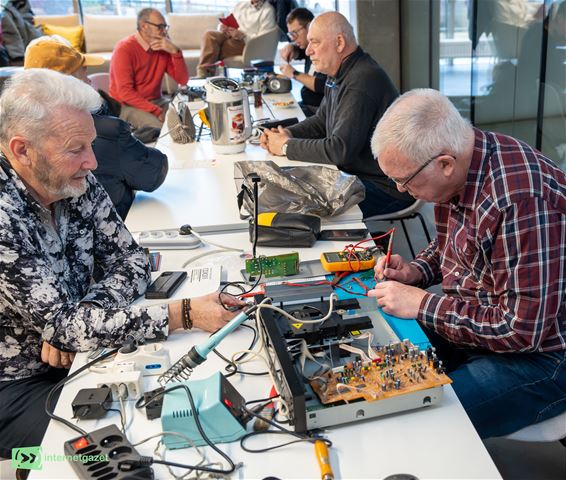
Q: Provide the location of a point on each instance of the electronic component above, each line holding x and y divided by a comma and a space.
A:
308, 361
347, 261
274, 266
219, 408
165, 285
92, 403
105, 453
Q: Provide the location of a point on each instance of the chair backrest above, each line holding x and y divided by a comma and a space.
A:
100, 81
406, 212
262, 47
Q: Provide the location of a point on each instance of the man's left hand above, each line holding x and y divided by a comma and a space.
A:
274, 139
55, 357
287, 70
397, 299
165, 44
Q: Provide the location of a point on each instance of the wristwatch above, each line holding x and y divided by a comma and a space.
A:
296, 73
284, 149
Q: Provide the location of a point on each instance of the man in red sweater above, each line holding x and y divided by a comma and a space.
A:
137, 67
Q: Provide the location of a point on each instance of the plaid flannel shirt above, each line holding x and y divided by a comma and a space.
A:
500, 253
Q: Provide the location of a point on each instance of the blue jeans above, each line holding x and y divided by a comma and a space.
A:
379, 202
504, 392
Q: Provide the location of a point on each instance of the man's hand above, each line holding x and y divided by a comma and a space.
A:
237, 34
287, 70
272, 140
288, 52
396, 299
207, 313
55, 357
165, 44
398, 270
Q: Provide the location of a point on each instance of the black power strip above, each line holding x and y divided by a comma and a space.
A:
105, 453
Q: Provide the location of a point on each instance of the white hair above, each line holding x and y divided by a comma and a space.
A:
31, 96
420, 124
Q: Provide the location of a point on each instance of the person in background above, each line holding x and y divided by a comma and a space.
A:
124, 163
357, 93
499, 324
58, 227
254, 17
137, 67
312, 93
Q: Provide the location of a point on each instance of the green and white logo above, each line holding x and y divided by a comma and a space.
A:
28, 458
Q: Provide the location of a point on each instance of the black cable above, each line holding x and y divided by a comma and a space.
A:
281, 431
262, 400
232, 368
49, 399
239, 285
199, 428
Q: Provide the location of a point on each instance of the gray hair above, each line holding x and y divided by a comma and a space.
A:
144, 14
30, 97
337, 24
420, 124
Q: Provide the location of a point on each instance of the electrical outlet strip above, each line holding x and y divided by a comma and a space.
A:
151, 359
168, 240
131, 379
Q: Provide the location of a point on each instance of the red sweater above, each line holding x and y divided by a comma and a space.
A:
136, 74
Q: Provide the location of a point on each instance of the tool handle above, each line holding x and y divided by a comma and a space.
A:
323, 458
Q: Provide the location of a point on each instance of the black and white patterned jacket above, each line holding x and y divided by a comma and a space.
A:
47, 290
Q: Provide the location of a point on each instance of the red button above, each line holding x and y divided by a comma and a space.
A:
227, 402
80, 443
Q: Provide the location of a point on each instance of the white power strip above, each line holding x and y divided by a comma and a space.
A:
168, 240
131, 379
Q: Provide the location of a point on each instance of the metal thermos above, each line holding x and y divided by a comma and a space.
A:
229, 115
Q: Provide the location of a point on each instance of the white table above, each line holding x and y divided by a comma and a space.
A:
200, 189
434, 442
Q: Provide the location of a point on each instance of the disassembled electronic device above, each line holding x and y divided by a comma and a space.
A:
273, 266
219, 407
347, 368
347, 261
105, 453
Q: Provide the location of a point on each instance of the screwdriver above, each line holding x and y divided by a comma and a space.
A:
323, 458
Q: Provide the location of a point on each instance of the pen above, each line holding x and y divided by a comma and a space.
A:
323, 458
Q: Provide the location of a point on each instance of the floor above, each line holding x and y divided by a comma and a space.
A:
514, 460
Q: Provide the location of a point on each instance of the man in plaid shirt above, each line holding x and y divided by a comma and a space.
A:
500, 255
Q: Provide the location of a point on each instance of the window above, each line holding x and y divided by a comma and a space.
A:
49, 7
120, 7
201, 6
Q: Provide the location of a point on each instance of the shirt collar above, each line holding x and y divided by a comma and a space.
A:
141, 41
345, 66
474, 179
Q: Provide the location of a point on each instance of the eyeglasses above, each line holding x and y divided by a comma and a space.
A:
403, 183
295, 33
161, 26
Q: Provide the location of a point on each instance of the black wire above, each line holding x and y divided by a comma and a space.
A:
239, 285
49, 399
232, 368
281, 431
260, 400
199, 428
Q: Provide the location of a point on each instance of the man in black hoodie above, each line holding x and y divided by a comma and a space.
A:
124, 163
357, 93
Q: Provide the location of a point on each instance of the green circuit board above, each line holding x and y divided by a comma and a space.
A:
274, 266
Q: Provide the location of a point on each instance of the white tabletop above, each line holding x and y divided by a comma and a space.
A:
200, 189
433, 442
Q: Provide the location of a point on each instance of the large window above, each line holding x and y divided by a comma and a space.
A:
120, 7
49, 7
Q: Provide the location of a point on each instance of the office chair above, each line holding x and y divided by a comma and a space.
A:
548, 430
262, 47
408, 213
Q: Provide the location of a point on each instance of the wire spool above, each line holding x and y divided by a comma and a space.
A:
180, 123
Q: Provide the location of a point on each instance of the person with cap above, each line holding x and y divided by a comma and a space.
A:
124, 163
137, 67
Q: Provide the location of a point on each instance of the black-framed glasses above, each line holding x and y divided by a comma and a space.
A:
295, 33
161, 26
403, 183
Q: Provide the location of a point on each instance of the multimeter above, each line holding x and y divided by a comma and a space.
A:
347, 262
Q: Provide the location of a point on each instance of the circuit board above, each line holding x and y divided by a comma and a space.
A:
398, 369
273, 266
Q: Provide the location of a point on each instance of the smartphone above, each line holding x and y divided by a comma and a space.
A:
343, 234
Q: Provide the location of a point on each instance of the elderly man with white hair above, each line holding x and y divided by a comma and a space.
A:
357, 93
56, 225
500, 255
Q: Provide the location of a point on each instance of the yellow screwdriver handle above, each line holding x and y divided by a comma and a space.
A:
323, 458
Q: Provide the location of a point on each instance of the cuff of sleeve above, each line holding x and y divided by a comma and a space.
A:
432, 308
426, 271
